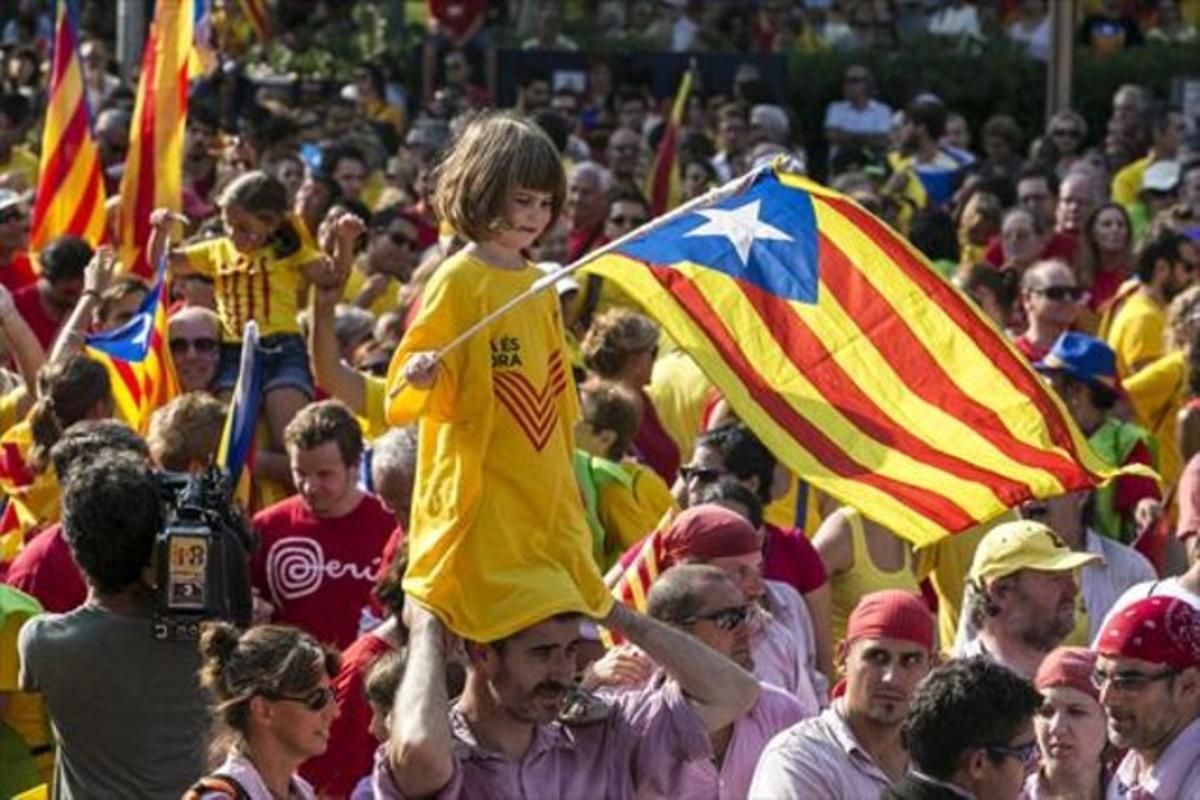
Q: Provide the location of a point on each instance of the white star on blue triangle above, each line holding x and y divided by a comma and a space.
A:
766, 236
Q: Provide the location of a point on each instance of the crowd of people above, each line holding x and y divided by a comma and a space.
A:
432, 528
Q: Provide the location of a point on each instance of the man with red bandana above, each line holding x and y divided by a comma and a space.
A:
855, 748
1148, 673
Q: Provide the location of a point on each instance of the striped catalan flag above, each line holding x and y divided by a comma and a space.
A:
70, 190
33, 497
138, 359
236, 449
153, 175
865, 372
662, 183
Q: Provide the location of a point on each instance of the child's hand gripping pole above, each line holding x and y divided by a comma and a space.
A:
420, 370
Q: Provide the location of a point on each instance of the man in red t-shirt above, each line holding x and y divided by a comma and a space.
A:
46, 303
321, 550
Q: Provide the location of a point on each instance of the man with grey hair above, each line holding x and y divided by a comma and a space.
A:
704, 602
769, 123
587, 207
393, 470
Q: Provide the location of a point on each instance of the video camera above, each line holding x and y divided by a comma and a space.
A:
201, 560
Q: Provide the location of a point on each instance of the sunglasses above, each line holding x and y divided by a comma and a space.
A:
1061, 294
632, 222
11, 215
316, 700
727, 619
700, 474
1129, 681
1027, 754
204, 345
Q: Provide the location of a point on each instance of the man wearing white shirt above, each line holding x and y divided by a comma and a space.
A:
858, 120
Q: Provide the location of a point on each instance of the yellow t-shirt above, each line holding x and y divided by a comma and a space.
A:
1128, 182
374, 397
499, 540
23, 164
863, 578
385, 302
629, 513
680, 394
255, 286
1157, 392
1137, 332
24, 713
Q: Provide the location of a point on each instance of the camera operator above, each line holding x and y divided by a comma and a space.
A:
128, 712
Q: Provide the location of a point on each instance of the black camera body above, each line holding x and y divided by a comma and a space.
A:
201, 556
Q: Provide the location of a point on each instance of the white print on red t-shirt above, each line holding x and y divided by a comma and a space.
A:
296, 567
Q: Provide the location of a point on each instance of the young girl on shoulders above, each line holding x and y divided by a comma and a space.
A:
498, 537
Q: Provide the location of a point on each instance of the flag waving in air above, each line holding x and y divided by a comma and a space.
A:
237, 438
153, 176
861, 368
70, 190
662, 184
138, 359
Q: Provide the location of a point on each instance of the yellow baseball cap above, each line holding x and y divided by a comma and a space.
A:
1024, 544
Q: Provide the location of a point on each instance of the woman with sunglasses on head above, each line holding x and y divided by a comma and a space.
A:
1071, 729
273, 707
1051, 299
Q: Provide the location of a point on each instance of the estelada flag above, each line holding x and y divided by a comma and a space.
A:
138, 359
856, 363
236, 449
70, 191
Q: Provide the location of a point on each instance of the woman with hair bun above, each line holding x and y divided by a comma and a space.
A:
272, 708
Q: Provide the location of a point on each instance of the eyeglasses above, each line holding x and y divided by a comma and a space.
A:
204, 345
1067, 133
1060, 294
700, 474
1027, 753
316, 700
726, 619
1130, 681
632, 222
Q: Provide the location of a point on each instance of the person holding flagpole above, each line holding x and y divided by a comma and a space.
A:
498, 540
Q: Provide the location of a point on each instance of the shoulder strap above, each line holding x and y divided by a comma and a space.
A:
220, 784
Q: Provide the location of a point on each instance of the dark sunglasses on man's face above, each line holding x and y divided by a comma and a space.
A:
204, 345
726, 619
1061, 294
701, 474
316, 700
632, 222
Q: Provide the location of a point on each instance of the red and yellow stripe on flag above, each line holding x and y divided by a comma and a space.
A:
138, 359
662, 184
70, 190
32, 497
862, 369
153, 175
631, 577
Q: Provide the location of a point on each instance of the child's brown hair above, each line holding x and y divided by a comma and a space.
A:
499, 153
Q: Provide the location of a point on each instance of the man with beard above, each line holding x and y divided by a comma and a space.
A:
509, 734
1165, 266
1022, 591
1148, 673
48, 302
705, 602
854, 748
